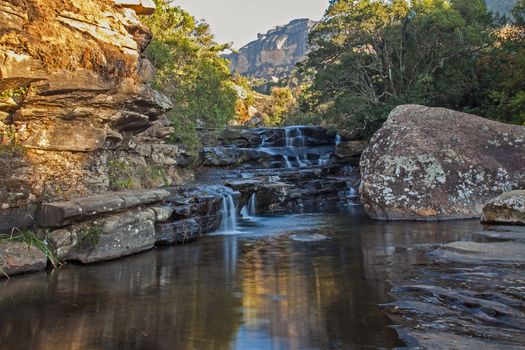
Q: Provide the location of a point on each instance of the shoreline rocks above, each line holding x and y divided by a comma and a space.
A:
438, 164
508, 208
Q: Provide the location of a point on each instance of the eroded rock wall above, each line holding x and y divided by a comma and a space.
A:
77, 113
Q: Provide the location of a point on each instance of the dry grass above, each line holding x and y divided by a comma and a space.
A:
59, 46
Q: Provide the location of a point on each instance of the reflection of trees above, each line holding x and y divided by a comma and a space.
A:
225, 292
170, 299
310, 295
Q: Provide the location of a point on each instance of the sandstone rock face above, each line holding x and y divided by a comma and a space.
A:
275, 53
75, 96
509, 208
433, 163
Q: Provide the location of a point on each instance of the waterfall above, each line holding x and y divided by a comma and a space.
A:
249, 210
295, 139
337, 140
287, 162
350, 196
292, 133
229, 214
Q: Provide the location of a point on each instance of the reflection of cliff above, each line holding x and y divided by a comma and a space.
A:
274, 53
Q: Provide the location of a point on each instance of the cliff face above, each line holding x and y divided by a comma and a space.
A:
77, 115
275, 53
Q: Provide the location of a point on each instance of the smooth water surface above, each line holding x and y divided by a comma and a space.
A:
259, 289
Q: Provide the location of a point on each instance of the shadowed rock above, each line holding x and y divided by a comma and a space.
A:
509, 208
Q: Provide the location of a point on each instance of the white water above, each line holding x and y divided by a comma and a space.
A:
249, 210
350, 196
229, 215
337, 140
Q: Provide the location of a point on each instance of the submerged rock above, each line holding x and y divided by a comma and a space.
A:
509, 208
483, 252
308, 237
434, 164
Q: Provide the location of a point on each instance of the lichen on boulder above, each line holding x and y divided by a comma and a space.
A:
435, 164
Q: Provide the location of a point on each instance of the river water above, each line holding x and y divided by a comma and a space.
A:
305, 281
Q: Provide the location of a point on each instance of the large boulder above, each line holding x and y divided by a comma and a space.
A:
509, 208
435, 164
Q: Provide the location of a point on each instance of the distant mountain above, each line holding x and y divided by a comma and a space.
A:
275, 53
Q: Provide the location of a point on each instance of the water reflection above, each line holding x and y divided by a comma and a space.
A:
257, 290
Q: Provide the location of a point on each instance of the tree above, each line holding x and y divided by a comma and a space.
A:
190, 71
373, 55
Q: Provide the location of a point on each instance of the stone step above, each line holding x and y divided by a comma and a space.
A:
58, 214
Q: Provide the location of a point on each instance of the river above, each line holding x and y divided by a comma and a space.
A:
301, 281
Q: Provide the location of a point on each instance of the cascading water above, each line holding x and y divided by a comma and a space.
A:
337, 140
295, 139
292, 134
229, 214
351, 195
298, 146
249, 210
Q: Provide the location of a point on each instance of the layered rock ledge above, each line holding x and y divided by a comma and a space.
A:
77, 113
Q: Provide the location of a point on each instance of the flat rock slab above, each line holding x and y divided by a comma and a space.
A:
308, 237
478, 252
16, 258
117, 235
509, 208
58, 214
20, 218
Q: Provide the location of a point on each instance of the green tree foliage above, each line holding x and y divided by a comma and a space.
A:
501, 72
519, 13
190, 71
282, 104
371, 55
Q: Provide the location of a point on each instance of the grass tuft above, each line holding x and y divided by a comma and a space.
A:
90, 237
32, 240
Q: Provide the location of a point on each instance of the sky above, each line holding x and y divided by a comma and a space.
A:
239, 21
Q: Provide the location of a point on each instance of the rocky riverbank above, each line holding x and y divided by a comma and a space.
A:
294, 169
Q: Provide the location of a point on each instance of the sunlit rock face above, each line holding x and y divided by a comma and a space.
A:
75, 94
275, 53
434, 163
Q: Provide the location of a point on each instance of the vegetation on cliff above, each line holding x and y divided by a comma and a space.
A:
190, 71
371, 56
